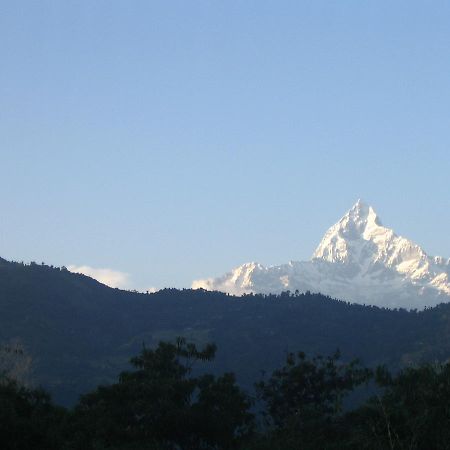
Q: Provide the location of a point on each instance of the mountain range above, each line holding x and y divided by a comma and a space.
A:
80, 333
358, 260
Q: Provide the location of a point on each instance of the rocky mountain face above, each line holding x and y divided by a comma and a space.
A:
358, 260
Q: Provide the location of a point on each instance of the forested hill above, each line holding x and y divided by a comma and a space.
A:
81, 333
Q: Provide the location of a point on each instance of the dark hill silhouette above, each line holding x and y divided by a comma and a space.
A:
81, 333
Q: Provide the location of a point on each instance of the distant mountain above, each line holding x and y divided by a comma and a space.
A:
358, 260
80, 333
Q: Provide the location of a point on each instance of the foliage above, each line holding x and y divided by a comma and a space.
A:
304, 399
413, 411
163, 405
15, 362
81, 333
28, 419
306, 388
410, 411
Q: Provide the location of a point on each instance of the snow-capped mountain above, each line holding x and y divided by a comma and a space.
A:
358, 260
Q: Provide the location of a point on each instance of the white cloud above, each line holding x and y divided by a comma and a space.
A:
219, 284
203, 284
110, 277
151, 290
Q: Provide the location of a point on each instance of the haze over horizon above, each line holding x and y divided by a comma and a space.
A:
161, 143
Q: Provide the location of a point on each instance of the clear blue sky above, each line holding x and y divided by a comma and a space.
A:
174, 140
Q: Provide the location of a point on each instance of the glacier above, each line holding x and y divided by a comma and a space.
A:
358, 260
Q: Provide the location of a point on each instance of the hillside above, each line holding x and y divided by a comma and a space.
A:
81, 333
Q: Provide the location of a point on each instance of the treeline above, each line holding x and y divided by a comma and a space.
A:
81, 333
165, 403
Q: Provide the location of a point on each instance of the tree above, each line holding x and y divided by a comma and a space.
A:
161, 404
15, 363
412, 412
304, 400
28, 419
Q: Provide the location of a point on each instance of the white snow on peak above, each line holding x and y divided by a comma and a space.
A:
360, 238
359, 260
343, 239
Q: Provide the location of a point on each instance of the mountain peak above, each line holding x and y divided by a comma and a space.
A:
360, 208
358, 259
360, 203
359, 224
361, 213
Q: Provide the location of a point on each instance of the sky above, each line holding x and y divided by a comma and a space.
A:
152, 143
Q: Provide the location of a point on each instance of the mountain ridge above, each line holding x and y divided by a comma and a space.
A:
358, 259
81, 333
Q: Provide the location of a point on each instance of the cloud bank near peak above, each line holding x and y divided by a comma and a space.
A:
110, 277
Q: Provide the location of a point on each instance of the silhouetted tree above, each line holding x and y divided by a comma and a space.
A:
162, 405
304, 401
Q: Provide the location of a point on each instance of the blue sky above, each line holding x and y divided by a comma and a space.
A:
174, 140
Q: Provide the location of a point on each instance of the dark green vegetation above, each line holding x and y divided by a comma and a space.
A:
161, 405
80, 333
77, 335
